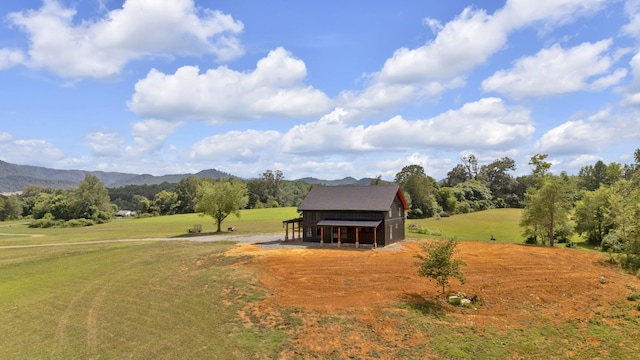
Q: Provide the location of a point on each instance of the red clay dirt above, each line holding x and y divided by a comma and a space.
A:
518, 284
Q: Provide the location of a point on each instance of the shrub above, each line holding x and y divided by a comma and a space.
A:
46, 221
633, 296
78, 223
612, 242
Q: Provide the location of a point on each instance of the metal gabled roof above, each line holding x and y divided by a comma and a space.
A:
352, 198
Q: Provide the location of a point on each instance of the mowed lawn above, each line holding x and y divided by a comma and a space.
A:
256, 221
142, 300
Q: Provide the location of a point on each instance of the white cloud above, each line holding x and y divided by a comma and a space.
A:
100, 48
236, 146
632, 92
552, 13
579, 136
329, 135
28, 151
106, 145
10, 58
556, 71
149, 135
632, 8
484, 124
460, 45
274, 89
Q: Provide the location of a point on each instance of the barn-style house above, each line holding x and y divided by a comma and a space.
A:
353, 214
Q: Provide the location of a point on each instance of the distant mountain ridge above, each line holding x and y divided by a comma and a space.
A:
15, 178
340, 182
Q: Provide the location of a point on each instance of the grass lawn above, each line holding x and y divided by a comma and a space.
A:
250, 222
501, 223
157, 300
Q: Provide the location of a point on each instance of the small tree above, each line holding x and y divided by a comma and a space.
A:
438, 264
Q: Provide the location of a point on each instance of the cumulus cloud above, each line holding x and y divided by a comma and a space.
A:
632, 8
237, 146
100, 48
459, 46
484, 124
149, 135
556, 70
106, 145
28, 151
10, 58
632, 92
581, 137
274, 89
330, 134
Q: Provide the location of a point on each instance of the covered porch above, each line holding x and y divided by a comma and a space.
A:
349, 231
296, 229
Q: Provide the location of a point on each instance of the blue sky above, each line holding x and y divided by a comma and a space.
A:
325, 89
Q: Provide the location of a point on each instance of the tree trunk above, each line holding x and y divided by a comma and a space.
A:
551, 236
219, 223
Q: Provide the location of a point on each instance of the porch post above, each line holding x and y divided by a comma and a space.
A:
375, 237
339, 236
357, 240
321, 236
286, 233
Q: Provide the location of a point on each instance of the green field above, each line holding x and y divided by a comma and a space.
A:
180, 299
501, 223
256, 221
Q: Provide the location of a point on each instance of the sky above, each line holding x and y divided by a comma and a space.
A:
324, 89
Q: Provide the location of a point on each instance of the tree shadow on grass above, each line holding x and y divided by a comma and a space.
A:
425, 306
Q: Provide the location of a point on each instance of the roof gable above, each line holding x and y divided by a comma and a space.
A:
352, 198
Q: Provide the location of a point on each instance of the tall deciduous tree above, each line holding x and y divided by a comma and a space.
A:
220, 199
547, 208
421, 189
187, 190
496, 176
91, 200
470, 162
592, 215
12, 208
165, 203
540, 167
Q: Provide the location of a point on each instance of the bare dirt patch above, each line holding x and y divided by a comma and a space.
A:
517, 284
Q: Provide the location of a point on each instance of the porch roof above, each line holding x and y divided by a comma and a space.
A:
351, 223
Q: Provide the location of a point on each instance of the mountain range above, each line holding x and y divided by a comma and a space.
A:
15, 178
